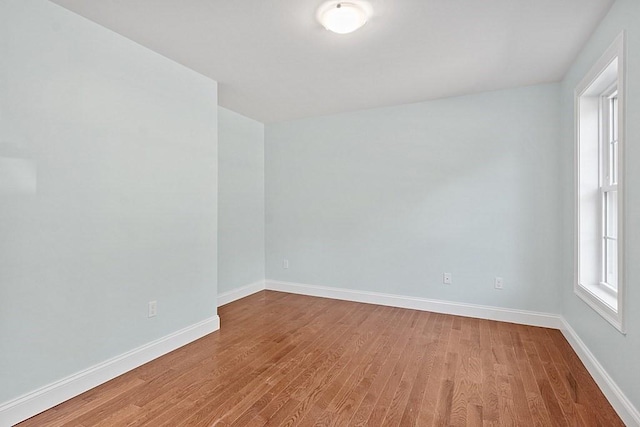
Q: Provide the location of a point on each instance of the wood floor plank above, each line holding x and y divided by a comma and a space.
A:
292, 360
522, 411
277, 366
370, 399
537, 408
347, 407
544, 387
412, 410
562, 394
307, 393
414, 362
334, 403
280, 394
429, 404
211, 387
490, 404
386, 395
261, 367
446, 394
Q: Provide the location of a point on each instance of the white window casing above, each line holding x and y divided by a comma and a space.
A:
600, 186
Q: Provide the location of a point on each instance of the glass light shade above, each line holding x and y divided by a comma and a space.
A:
344, 18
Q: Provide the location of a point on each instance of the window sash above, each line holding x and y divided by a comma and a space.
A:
608, 166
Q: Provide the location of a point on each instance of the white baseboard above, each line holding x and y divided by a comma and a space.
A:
625, 409
46, 397
524, 317
237, 293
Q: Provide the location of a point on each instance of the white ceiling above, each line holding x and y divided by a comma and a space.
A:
275, 62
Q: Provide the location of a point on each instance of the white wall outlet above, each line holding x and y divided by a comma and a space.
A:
153, 308
285, 263
499, 283
446, 278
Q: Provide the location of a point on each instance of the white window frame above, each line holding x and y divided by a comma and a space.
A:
591, 110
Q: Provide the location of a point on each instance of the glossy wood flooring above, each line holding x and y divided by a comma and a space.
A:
290, 360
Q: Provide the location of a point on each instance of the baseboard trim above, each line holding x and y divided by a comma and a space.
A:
238, 293
524, 317
623, 406
33, 403
625, 409
46, 397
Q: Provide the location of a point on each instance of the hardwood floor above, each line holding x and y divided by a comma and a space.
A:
290, 360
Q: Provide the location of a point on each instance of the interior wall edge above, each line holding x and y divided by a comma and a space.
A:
240, 292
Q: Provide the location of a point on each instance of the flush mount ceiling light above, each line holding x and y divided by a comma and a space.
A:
344, 17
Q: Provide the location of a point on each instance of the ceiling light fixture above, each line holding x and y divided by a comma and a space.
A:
343, 17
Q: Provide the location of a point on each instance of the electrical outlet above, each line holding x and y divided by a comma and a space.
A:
499, 283
446, 278
153, 308
285, 263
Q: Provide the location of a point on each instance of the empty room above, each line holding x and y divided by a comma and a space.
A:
319, 213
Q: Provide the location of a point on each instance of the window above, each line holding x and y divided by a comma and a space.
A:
599, 261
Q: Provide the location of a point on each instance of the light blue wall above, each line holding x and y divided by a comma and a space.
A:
240, 201
122, 143
616, 352
124, 205
388, 199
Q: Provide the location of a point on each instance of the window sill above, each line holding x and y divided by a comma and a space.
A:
604, 301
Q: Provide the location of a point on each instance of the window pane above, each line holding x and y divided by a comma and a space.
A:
611, 263
613, 156
611, 214
614, 118
613, 139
